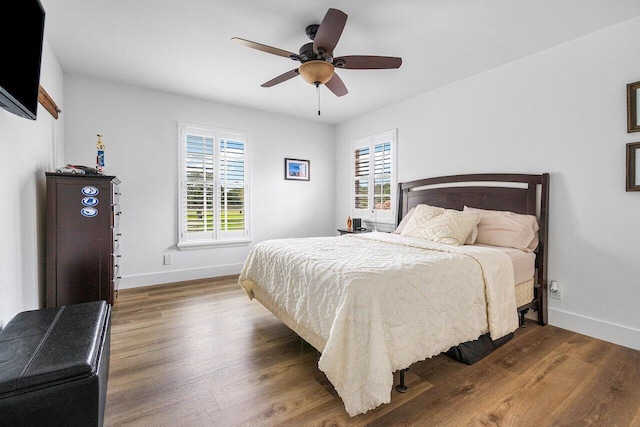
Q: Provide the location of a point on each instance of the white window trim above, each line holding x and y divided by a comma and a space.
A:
245, 239
370, 215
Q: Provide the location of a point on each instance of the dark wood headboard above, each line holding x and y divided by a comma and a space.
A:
520, 193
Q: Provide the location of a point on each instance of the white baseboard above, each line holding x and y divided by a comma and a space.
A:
138, 280
606, 331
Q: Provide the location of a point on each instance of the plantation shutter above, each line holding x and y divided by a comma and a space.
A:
213, 186
382, 173
231, 209
361, 180
199, 185
374, 177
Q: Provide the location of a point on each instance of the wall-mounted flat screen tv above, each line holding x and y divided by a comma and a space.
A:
21, 35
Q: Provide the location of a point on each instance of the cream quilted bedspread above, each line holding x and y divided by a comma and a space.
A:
383, 301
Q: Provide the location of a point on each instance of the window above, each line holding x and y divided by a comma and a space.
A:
214, 195
374, 177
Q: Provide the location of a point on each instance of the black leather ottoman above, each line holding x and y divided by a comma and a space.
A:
54, 365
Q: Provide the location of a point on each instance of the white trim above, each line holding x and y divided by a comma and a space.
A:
139, 280
204, 244
606, 331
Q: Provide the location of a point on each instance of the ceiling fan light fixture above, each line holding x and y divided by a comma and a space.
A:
316, 72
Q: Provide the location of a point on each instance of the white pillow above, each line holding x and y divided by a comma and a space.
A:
404, 221
471, 238
447, 226
506, 229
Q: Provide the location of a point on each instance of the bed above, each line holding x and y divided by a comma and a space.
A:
375, 303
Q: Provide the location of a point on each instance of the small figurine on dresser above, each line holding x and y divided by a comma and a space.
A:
349, 223
100, 157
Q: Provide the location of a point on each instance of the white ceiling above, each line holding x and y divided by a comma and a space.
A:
185, 47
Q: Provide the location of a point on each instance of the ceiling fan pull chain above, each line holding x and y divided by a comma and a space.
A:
318, 91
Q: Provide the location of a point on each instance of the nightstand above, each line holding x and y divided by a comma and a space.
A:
350, 231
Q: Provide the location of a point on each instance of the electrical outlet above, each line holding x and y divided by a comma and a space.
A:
168, 259
555, 291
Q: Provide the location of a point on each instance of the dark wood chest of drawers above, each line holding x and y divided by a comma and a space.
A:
82, 238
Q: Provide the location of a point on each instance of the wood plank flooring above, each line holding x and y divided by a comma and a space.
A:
200, 353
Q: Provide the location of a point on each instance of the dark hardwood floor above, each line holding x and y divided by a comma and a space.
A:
201, 353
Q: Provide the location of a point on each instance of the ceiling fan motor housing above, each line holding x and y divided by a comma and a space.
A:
311, 30
307, 53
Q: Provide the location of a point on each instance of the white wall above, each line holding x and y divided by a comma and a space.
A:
140, 134
561, 111
28, 149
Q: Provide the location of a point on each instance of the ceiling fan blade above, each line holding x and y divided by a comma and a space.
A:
281, 78
329, 32
365, 62
264, 47
336, 85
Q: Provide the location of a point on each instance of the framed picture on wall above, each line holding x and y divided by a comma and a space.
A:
633, 166
296, 169
633, 115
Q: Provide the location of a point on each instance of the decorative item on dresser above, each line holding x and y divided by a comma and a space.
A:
83, 238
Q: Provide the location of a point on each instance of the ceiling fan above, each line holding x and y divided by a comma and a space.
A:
317, 63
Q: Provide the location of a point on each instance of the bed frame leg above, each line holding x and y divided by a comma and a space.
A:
401, 387
521, 313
